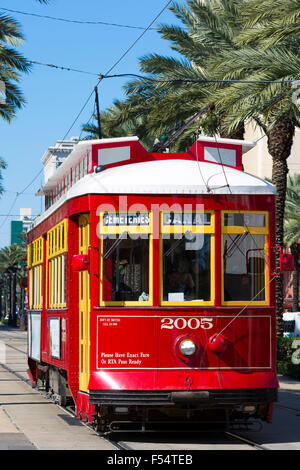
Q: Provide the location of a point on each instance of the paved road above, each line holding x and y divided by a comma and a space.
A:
29, 421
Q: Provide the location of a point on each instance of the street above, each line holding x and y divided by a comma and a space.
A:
30, 421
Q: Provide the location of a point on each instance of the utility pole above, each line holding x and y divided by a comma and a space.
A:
14, 293
98, 112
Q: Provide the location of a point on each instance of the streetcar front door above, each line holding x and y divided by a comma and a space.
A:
84, 306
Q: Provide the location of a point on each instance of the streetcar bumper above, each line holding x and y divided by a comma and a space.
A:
199, 398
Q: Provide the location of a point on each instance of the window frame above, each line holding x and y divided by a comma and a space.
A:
118, 230
197, 229
233, 229
57, 248
35, 260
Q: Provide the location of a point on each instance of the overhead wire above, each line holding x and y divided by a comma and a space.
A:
158, 80
10, 209
68, 20
141, 35
251, 235
100, 77
60, 67
18, 194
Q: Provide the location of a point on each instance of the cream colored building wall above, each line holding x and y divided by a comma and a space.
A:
258, 161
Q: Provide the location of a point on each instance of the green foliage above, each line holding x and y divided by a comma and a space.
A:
284, 358
11, 256
211, 44
12, 66
272, 21
292, 215
284, 349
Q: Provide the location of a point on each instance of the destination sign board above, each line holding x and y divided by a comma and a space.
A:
184, 218
125, 219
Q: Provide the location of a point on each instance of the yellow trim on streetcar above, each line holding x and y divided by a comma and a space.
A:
253, 230
35, 257
195, 229
57, 247
130, 229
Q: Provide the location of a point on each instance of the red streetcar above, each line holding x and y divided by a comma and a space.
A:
152, 286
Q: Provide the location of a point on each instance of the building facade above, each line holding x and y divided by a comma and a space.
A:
258, 161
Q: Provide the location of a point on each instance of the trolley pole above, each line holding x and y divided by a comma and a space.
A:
98, 112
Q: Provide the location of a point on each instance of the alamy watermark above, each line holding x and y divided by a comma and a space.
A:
138, 221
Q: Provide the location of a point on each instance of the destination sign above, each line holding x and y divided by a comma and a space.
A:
183, 218
116, 219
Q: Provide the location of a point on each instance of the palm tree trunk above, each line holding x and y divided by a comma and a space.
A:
295, 252
13, 299
9, 300
280, 140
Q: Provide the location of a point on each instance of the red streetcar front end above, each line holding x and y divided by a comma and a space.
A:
185, 327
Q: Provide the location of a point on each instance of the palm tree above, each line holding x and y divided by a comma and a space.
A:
230, 56
216, 42
271, 20
270, 104
292, 230
158, 105
113, 126
10, 258
12, 65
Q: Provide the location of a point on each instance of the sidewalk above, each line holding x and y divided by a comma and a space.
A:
287, 383
28, 420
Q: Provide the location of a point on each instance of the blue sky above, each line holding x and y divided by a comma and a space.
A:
54, 97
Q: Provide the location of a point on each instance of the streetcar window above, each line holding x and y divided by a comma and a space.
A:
35, 265
244, 267
57, 266
90, 163
126, 268
186, 267
244, 220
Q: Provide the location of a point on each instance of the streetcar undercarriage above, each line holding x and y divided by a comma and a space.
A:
188, 411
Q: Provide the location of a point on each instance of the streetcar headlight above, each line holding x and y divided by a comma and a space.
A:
187, 347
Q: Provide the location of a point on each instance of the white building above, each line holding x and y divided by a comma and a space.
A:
258, 161
26, 217
55, 156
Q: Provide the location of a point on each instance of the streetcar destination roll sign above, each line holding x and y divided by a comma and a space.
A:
117, 219
184, 218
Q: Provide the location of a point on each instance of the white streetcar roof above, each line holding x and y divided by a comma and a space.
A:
173, 176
